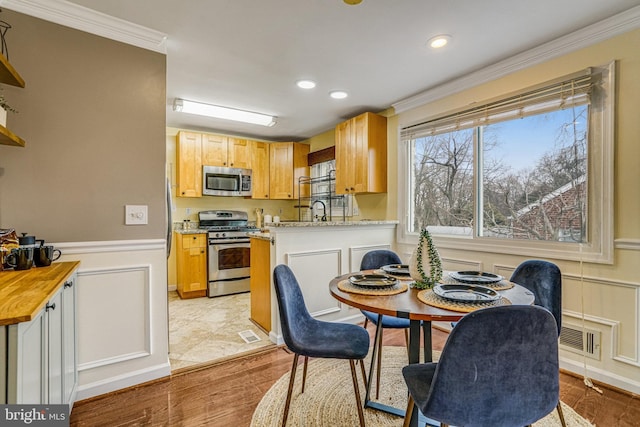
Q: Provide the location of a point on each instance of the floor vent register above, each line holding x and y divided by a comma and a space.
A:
249, 336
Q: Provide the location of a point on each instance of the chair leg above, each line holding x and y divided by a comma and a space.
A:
406, 341
304, 372
366, 322
364, 374
561, 415
379, 367
408, 413
291, 379
354, 377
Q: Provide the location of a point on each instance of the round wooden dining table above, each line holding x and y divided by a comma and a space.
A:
407, 305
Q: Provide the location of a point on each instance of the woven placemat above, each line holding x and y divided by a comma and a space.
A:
428, 297
347, 286
498, 286
397, 276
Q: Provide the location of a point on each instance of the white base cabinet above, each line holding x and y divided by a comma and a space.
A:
41, 354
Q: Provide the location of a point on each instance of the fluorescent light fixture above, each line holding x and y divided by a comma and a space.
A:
219, 112
439, 41
338, 94
306, 84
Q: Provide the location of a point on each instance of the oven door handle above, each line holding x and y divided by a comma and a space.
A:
229, 242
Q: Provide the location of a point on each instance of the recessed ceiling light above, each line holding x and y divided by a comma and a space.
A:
306, 84
439, 41
338, 94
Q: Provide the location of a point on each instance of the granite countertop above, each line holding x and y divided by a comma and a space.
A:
330, 223
290, 224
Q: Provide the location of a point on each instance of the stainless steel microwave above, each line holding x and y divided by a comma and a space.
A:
222, 181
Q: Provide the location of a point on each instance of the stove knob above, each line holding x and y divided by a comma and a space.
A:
224, 234
217, 234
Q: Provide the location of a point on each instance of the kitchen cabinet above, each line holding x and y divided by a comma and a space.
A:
189, 164
361, 155
260, 167
260, 282
40, 355
191, 257
220, 150
8, 75
287, 163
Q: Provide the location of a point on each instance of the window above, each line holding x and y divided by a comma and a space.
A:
527, 171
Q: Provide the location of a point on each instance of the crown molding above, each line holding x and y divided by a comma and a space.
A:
84, 19
600, 31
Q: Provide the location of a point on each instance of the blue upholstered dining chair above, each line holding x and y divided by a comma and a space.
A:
544, 279
499, 368
309, 337
372, 260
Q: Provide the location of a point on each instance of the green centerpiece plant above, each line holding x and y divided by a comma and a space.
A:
424, 257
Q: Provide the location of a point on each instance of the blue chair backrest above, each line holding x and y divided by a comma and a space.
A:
378, 258
294, 316
499, 367
544, 279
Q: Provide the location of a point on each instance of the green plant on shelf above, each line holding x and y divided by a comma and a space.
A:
3, 103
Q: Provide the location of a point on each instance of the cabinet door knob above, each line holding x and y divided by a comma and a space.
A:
68, 284
50, 306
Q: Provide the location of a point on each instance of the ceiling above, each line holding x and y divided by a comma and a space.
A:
248, 54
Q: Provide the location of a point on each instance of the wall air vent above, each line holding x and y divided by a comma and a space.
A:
585, 342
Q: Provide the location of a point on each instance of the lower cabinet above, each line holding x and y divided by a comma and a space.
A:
260, 283
191, 258
41, 355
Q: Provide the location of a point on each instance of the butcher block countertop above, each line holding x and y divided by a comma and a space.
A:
24, 293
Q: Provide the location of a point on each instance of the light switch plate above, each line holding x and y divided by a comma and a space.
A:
136, 214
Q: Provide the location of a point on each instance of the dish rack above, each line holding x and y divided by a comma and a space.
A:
321, 189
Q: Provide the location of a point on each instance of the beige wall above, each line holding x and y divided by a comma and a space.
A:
93, 118
609, 295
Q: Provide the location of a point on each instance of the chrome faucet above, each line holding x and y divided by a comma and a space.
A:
324, 209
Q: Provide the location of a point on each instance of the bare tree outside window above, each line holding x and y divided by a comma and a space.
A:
531, 178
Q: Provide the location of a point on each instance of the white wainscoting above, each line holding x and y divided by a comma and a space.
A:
609, 306
318, 254
122, 313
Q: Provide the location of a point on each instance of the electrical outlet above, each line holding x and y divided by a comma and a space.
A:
187, 211
136, 214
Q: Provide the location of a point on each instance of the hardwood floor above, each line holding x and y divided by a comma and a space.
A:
226, 394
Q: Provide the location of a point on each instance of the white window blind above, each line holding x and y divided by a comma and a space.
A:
567, 92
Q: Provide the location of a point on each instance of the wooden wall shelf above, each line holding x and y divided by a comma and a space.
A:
8, 74
9, 138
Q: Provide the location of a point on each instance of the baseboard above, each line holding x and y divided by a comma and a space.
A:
600, 375
119, 382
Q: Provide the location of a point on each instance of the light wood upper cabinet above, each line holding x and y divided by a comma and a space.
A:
219, 150
214, 150
260, 167
361, 155
287, 163
239, 153
189, 164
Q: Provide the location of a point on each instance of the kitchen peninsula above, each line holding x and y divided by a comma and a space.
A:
316, 252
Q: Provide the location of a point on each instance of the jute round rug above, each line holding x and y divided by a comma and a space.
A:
328, 399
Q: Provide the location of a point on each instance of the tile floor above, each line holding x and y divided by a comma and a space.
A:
202, 330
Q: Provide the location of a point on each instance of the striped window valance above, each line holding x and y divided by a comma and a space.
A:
568, 91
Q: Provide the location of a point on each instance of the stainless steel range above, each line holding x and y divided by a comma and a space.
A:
228, 251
